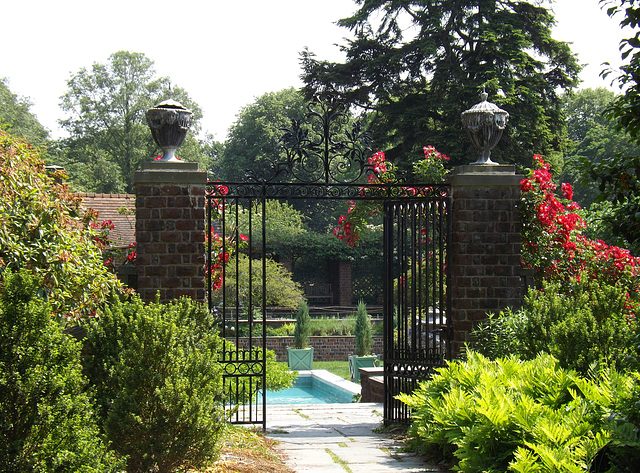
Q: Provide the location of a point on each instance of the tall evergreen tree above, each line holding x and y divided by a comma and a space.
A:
418, 64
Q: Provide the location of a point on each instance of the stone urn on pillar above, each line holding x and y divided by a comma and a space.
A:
484, 123
169, 122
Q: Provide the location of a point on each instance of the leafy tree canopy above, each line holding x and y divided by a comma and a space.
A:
255, 136
17, 119
109, 138
618, 173
592, 137
416, 65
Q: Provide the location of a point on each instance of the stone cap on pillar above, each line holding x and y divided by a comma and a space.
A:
170, 172
486, 175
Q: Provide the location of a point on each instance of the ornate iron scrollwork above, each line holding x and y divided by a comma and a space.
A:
324, 151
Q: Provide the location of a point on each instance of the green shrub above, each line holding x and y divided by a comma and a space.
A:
158, 381
282, 290
285, 330
319, 327
582, 324
47, 422
45, 230
512, 415
326, 326
302, 328
364, 337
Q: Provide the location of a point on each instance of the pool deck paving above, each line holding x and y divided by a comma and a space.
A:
339, 438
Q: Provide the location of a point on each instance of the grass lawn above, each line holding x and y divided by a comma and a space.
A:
339, 368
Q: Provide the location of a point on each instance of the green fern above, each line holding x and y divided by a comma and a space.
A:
514, 415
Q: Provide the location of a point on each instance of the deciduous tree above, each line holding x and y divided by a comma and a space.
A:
592, 138
17, 118
255, 136
109, 138
618, 174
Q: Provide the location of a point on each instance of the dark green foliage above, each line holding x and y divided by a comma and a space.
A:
158, 383
417, 65
626, 108
512, 415
303, 327
582, 324
364, 337
47, 422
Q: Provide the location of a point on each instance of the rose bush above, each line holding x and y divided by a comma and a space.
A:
430, 169
554, 244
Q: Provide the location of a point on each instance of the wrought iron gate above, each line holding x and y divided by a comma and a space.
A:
416, 232
416, 301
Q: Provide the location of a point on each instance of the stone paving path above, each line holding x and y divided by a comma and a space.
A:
339, 438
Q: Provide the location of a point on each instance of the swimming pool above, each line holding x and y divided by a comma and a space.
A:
315, 387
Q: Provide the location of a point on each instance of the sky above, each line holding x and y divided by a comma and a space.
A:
224, 53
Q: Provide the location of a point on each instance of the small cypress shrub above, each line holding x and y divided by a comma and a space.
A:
303, 327
364, 336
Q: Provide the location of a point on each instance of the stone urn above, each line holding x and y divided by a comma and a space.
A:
169, 122
484, 123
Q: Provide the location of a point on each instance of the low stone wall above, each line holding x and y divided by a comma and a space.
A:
324, 348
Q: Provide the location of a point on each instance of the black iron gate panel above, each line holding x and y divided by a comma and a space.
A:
318, 165
236, 294
417, 322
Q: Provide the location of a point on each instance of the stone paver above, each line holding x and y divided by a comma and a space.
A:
339, 438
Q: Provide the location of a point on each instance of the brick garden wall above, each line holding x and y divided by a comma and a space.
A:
330, 348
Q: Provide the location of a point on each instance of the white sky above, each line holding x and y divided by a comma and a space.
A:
224, 53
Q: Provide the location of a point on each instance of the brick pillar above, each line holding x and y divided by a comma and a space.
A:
170, 218
486, 267
341, 282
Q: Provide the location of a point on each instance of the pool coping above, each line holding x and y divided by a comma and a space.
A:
340, 383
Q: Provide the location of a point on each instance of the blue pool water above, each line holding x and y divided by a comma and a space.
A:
309, 390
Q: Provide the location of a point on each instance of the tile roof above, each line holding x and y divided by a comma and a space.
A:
108, 207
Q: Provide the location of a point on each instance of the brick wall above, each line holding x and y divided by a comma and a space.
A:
341, 282
486, 268
170, 218
330, 348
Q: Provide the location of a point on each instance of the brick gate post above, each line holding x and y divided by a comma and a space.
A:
485, 246
170, 218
